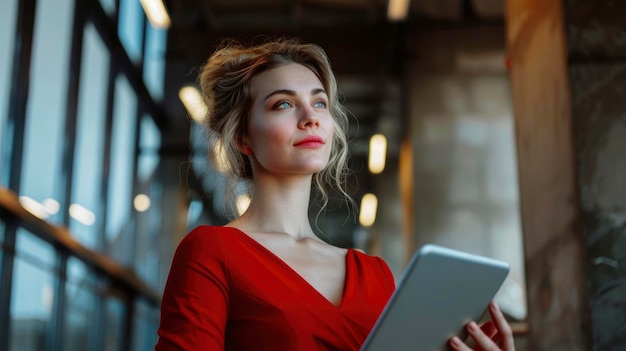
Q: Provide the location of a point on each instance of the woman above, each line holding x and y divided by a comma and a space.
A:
265, 281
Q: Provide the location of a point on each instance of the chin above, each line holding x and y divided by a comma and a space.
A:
312, 169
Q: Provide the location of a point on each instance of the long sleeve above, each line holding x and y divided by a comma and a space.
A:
194, 310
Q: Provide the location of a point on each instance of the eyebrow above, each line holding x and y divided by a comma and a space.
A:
315, 91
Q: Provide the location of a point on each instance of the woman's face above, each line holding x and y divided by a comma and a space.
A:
290, 129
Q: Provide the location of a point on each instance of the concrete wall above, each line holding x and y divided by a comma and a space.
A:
465, 189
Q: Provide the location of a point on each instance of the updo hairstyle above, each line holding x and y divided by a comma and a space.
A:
225, 80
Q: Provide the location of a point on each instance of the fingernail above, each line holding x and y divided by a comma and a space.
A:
494, 307
456, 342
473, 327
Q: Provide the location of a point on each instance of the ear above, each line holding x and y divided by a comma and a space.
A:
243, 147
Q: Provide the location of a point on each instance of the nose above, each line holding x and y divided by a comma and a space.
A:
308, 118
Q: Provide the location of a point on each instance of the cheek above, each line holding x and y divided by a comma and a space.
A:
330, 127
268, 135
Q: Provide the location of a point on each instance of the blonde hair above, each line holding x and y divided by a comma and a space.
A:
225, 81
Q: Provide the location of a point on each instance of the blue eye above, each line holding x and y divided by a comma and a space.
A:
283, 105
320, 104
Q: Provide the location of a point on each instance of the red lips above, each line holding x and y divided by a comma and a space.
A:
310, 141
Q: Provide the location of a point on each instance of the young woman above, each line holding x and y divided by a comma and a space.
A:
265, 281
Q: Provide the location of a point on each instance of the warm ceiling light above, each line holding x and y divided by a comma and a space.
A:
156, 12
52, 206
369, 205
34, 207
82, 214
377, 154
141, 202
191, 98
397, 10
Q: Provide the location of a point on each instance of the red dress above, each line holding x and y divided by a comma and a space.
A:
225, 291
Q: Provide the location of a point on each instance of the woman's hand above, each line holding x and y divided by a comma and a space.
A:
494, 335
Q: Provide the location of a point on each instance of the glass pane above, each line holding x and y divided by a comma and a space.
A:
114, 322
154, 61
31, 303
148, 223
80, 302
86, 194
149, 143
108, 6
145, 325
148, 218
7, 33
2, 228
121, 176
130, 29
46, 104
28, 245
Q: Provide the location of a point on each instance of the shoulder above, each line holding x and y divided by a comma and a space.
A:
374, 265
206, 239
365, 257
209, 233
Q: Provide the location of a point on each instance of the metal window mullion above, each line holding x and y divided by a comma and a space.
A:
106, 158
71, 108
54, 328
108, 30
20, 87
6, 280
127, 329
14, 143
97, 343
54, 337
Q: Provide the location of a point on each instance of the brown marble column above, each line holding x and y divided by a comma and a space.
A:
554, 244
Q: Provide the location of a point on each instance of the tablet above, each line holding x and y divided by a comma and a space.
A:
439, 293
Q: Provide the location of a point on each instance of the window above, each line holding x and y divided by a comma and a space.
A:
119, 200
130, 28
149, 143
89, 150
145, 325
148, 220
80, 305
2, 229
46, 105
7, 33
147, 261
154, 62
108, 6
32, 292
115, 322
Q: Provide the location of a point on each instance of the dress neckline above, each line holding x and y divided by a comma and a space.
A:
297, 275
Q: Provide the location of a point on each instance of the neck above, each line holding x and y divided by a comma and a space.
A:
279, 206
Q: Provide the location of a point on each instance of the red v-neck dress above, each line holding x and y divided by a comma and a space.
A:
225, 291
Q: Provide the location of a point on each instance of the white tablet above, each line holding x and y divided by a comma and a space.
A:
439, 293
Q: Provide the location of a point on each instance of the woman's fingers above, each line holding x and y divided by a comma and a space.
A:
495, 335
504, 330
483, 340
459, 345
489, 328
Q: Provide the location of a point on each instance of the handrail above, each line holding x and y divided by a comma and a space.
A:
60, 237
